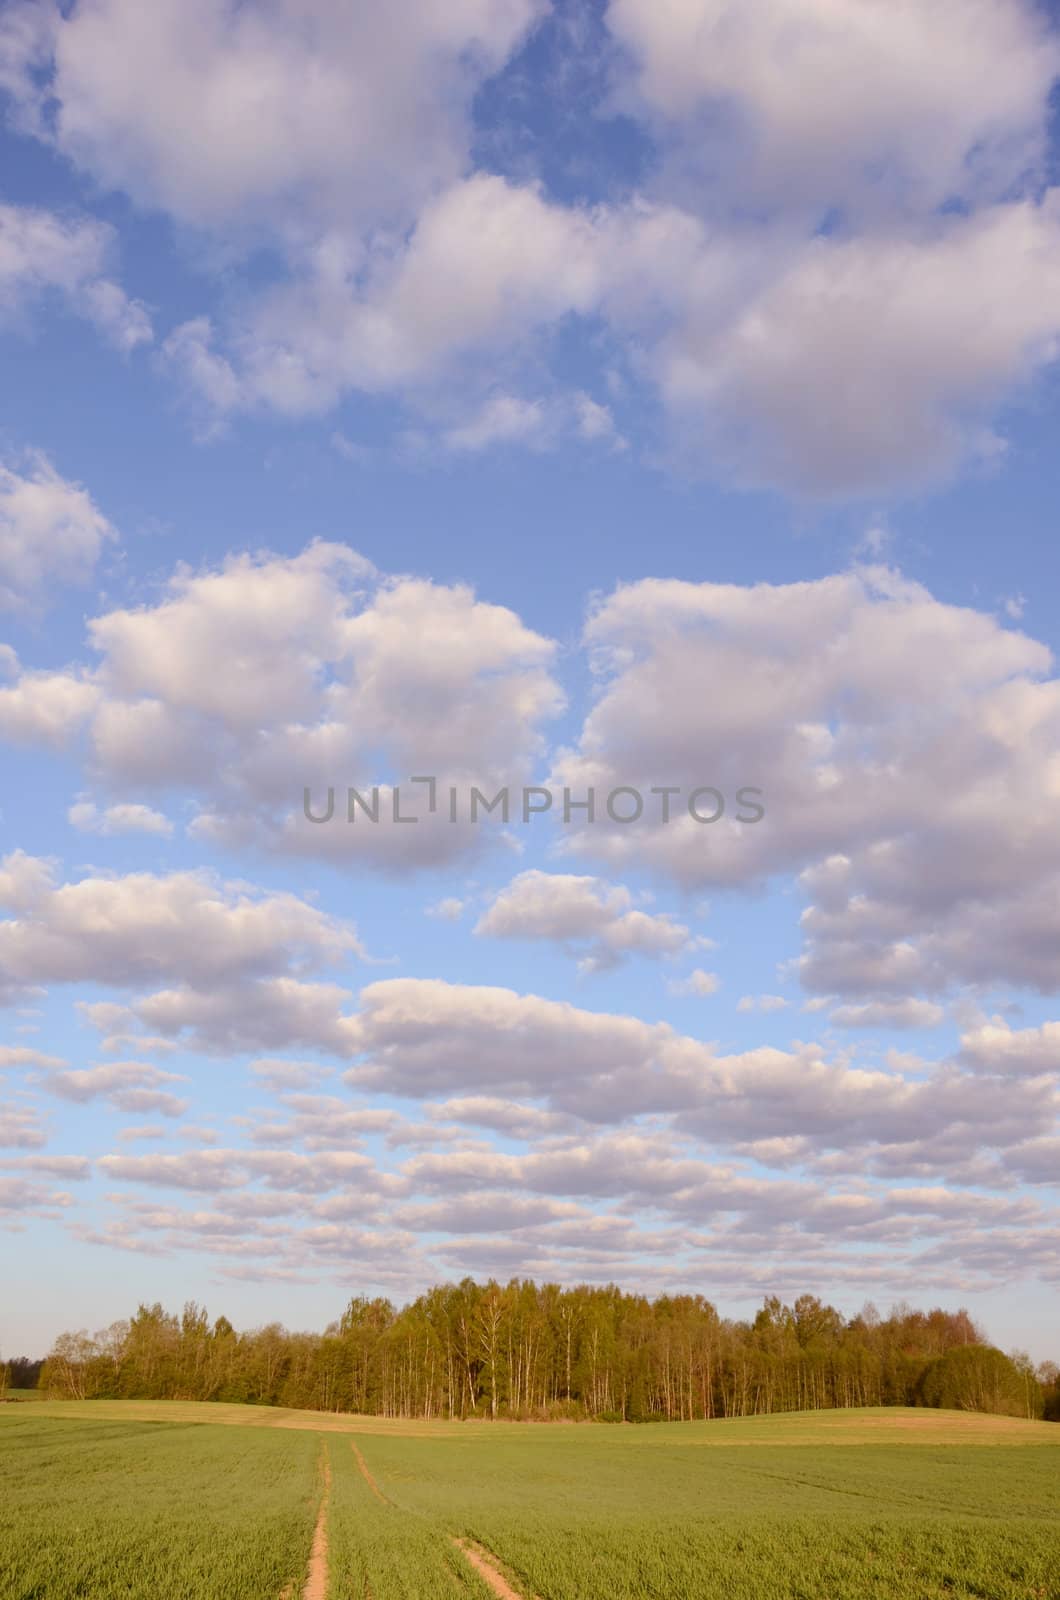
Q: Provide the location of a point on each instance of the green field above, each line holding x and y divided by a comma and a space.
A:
160, 1499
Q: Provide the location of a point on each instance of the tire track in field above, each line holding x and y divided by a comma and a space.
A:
476, 1555
316, 1583
367, 1476
906, 1497
488, 1568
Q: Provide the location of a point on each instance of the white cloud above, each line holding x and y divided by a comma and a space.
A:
18, 1196
596, 421
116, 819
908, 333
211, 1170
130, 1086
134, 930
843, 132
907, 337
145, 1130
908, 1013
1016, 1052
42, 253
504, 419
900, 811
537, 424
76, 1167
20, 1129
501, 1115
304, 112
909, 326
762, 1002
698, 982
589, 916
46, 708
813, 104
488, 264
22, 1056
482, 1044
249, 684
51, 532
277, 1075
451, 909
250, 1015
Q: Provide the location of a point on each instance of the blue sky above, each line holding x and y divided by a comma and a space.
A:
683, 380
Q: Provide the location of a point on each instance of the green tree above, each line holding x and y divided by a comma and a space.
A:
978, 1377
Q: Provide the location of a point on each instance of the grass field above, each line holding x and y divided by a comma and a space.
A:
161, 1499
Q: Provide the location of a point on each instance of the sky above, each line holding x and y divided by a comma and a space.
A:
547, 400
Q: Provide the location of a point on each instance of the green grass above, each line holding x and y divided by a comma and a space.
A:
669, 1512
130, 1509
106, 1499
387, 1551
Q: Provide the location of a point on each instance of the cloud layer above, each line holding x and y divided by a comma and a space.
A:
846, 202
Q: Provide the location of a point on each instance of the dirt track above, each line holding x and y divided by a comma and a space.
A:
316, 1584
367, 1476
487, 1569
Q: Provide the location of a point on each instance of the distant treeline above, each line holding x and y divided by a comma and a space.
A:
537, 1351
21, 1373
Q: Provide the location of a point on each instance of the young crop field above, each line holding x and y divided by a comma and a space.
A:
120, 1508
108, 1498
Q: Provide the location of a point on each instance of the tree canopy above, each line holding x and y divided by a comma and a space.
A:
535, 1351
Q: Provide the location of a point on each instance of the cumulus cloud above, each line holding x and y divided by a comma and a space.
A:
536, 424
22, 1056
20, 1129
87, 817
310, 112
130, 1086
251, 684
588, 916
76, 1167
44, 708
248, 1015
41, 253
1018, 1052
604, 1201
236, 958
134, 930
908, 326
478, 1044
762, 1002
900, 264
51, 533
322, 1122
448, 909
499, 1114
276, 1074
900, 812
697, 982
908, 1013
909, 335
814, 105
211, 1170
20, 1196
425, 1036
487, 265
908, 338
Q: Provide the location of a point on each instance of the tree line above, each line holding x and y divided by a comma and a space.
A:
537, 1351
